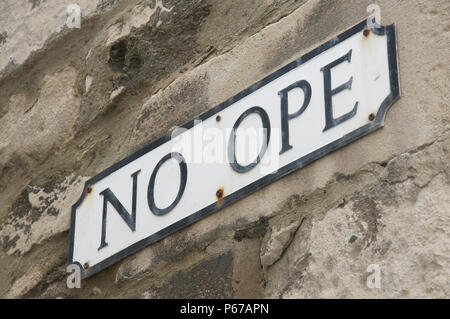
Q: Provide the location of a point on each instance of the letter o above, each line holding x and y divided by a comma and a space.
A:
232, 142
151, 185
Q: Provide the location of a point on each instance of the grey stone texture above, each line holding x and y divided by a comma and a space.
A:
75, 101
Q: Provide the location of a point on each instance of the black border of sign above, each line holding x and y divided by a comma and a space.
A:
389, 31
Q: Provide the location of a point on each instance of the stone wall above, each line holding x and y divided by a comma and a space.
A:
75, 101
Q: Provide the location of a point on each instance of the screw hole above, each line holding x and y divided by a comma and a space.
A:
219, 193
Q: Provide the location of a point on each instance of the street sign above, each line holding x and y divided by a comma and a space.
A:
324, 100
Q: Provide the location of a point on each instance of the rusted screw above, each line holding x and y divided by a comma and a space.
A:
366, 32
219, 193
371, 116
218, 118
89, 189
86, 266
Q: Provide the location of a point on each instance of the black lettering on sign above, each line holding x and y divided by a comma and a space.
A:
232, 142
151, 185
285, 116
130, 219
330, 121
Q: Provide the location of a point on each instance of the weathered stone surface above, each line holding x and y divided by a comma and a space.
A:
25, 283
248, 281
75, 101
39, 21
209, 279
361, 234
137, 17
32, 130
39, 214
398, 224
277, 243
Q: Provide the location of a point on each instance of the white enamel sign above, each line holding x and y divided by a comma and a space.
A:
320, 102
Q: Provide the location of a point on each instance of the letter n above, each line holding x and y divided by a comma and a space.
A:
130, 219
